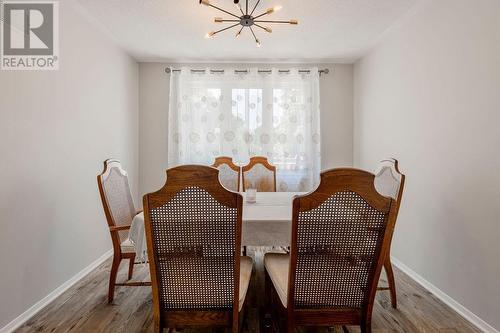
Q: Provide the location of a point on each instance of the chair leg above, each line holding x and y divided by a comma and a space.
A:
235, 327
267, 319
159, 328
243, 319
131, 267
112, 278
366, 327
392, 284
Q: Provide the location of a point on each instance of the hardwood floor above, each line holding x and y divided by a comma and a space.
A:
84, 308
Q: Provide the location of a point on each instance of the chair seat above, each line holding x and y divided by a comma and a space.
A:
277, 266
127, 246
246, 265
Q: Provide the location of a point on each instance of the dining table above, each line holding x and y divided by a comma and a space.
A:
265, 222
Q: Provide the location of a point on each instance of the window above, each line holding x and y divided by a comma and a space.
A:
243, 115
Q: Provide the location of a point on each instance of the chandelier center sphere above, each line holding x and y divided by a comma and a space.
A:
246, 20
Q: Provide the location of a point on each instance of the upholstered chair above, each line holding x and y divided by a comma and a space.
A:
341, 234
119, 210
229, 173
389, 181
193, 231
259, 174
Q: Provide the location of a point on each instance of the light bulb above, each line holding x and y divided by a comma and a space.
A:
295, 22
273, 9
209, 34
205, 2
268, 29
257, 43
218, 19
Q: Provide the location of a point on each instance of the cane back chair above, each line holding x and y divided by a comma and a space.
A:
389, 181
119, 210
340, 236
229, 173
193, 231
259, 174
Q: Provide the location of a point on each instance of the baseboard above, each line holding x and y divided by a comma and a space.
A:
459, 308
26, 315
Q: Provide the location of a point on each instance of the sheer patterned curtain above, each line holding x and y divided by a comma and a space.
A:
248, 114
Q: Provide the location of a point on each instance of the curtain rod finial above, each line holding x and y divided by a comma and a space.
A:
168, 70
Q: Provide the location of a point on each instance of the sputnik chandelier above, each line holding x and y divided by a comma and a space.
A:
246, 19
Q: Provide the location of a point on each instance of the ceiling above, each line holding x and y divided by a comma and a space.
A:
174, 30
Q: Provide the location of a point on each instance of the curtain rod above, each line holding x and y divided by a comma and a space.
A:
169, 70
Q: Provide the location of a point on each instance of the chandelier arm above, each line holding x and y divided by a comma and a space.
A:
265, 13
264, 21
254, 7
239, 32
224, 20
258, 25
247, 7
241, 10
253, 33
223, 10
223, 29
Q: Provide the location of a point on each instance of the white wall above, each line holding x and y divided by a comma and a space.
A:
336, 89
56, 128
429, 96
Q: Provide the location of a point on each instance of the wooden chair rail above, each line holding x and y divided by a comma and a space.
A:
259, 160
327, 317
119, 228
134, 284
193, 318
228, 161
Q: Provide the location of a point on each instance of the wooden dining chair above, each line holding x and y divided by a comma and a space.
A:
389, 181
259, 174
341, 234
193, 231
229, 173
119, 210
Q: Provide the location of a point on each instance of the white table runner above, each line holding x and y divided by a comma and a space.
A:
267, 222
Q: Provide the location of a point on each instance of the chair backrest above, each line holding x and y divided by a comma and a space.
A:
389, 181
259, 174
340, 234
193, 231
229, 173
116, 198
